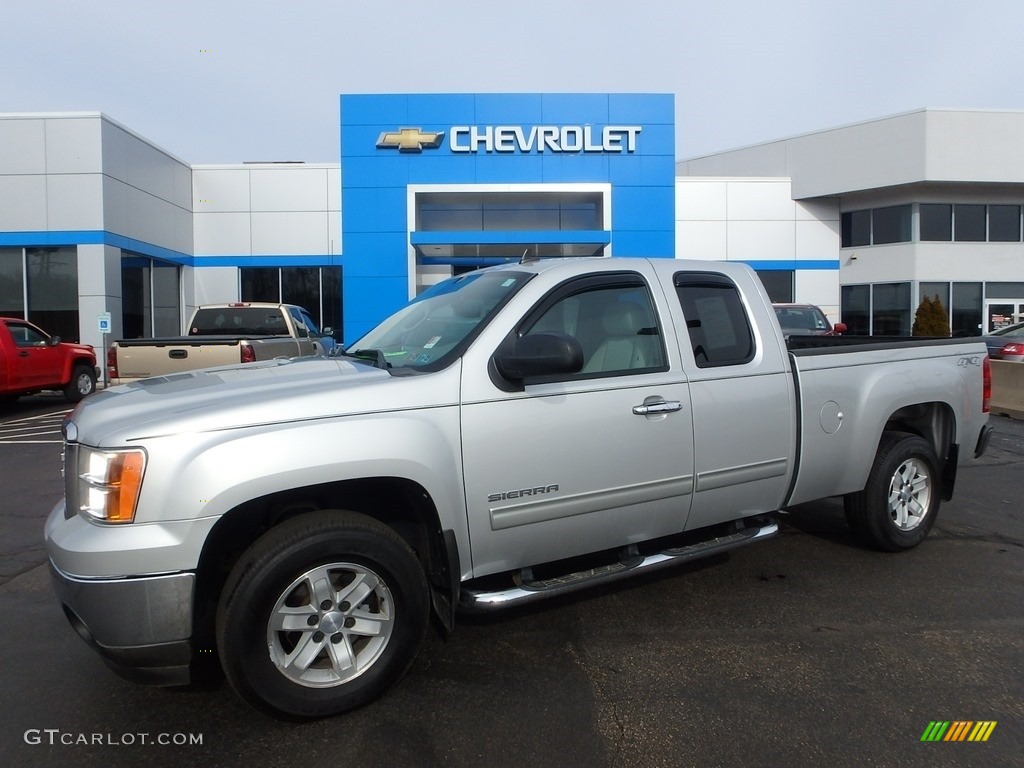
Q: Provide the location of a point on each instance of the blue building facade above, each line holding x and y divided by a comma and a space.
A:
436, 184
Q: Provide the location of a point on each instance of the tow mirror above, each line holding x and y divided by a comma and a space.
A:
540, 354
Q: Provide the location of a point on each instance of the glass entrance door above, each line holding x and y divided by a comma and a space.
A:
1000, 313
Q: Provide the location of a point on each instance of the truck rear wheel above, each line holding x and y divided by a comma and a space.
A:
900, 501
83, 382
321, 615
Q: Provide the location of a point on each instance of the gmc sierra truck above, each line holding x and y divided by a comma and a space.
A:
514, 433
219, 334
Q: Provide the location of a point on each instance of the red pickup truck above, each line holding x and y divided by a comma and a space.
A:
31, 360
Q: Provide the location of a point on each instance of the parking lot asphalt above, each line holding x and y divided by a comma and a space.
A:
803, 650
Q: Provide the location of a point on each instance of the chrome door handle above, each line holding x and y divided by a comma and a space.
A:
666, 406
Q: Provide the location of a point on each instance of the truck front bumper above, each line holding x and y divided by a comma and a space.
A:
139, 626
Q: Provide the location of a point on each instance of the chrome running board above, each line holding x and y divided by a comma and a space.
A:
528, 590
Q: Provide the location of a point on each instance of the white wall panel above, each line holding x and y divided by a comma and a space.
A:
819, 287
816, 240
761, 240
74, 201
22, 203
289, 188
221, 234
220, 189
73, 145
22, 145
701, 240
701, 199
297, 234
760, 201
334, 189
214, 285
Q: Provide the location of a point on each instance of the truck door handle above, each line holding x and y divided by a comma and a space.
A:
665, 406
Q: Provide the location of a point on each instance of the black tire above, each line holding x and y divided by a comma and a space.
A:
83, 383
900, 501
329, 580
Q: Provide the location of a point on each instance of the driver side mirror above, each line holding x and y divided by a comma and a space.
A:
53, 341
839, 329
540, 354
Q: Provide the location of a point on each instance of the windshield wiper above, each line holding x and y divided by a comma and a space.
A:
374, 357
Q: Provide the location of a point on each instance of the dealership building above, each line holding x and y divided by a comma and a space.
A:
864, 220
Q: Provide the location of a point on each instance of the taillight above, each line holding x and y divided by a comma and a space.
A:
1012, 348
112, 362
986, 384
248, 354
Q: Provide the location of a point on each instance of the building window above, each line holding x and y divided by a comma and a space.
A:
890, 225
936, 222
52, 283
778, 283
12, 282
856, 309
150, 297
1004, 223
969, 223
938, 291
876, 226
966, 309
316, 289
856, 228
890, 309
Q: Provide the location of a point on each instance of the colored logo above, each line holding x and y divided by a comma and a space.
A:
958, 730
410, 140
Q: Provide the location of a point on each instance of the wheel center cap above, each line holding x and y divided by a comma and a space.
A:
332, 622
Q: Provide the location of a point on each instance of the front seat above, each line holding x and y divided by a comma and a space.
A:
623, 347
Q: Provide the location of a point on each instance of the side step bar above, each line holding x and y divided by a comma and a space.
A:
528, 590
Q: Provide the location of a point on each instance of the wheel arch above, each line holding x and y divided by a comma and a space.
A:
401, 504
934, 422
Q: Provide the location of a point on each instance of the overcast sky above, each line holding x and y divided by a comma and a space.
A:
224, 81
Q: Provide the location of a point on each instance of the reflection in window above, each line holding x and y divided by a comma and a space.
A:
316, 289
53, 290
966, 309
856, 309
12, 282
890, 225
778, 283
969, 223
936, 222
856, 228
1004, 223
890, 309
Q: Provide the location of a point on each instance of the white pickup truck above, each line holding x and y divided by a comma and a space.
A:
514, 433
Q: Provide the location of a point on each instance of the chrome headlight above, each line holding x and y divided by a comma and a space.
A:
109, 482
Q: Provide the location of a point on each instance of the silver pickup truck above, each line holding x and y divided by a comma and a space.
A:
515, 433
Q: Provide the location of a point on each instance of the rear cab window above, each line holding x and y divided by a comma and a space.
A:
717, 325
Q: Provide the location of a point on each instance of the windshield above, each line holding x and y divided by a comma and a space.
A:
802, 318
439, 323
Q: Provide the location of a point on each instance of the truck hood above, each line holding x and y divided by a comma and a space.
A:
232, 397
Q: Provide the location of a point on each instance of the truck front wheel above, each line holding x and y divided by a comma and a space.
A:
321, 615
83, 382
898, 505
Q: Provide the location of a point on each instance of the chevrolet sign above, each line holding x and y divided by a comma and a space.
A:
544, 138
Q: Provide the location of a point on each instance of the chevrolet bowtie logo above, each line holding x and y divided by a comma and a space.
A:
410, 140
